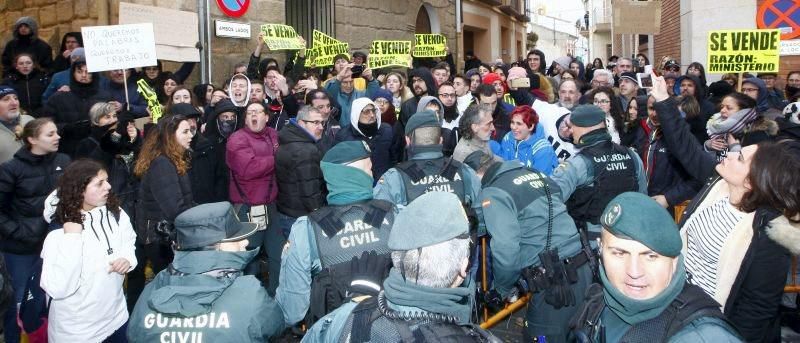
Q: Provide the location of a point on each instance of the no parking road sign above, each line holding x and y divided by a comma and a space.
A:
780, 14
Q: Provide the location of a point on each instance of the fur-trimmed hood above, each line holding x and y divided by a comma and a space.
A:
763, 124
785, 233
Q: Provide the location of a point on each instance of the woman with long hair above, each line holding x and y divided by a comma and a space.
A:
165, 191
182, 95
85, 261
642, 61
741, 229
395, 83
29, 81
605, 98
25, 182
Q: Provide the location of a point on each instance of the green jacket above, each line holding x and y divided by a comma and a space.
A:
519, 234
194, 306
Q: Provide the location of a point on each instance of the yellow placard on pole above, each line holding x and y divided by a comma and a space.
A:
742, 51
321, 39
430, 45
281, 37
389, 53
322, 56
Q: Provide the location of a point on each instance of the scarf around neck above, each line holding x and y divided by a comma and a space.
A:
456, 301
718, 126
634, 311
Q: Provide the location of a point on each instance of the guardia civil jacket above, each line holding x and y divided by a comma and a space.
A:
202, 297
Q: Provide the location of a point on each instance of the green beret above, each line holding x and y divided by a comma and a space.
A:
635, 216
425, 118
587, 115
347, 152
433, 218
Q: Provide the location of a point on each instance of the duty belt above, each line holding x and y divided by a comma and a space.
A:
571, 264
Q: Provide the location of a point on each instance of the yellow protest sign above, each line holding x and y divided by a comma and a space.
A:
322, 56
389, 53
430, 45
321, 39
741, 51
281, 37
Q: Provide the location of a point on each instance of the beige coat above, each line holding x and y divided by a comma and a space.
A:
9, 144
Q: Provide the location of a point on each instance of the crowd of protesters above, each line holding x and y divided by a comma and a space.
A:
257, 140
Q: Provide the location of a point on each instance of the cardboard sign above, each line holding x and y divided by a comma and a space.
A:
175, 31
636, 17
281, 37
322, 56
741, 51
321, 39
386, 53
430, 45
119, 46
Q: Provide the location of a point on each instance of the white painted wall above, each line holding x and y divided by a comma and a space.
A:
700, 16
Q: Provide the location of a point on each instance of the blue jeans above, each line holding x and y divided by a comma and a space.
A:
20, 267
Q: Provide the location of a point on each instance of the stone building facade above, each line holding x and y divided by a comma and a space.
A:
357, 22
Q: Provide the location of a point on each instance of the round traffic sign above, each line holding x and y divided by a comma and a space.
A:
233, 8
780, 14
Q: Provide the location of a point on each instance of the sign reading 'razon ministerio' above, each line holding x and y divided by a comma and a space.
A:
741, 51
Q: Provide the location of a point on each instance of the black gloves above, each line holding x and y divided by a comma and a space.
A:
368, 272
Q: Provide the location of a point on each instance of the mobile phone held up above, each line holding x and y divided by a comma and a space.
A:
645, 80
357, 70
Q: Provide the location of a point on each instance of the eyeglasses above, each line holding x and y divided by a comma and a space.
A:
368, 110
673, 68
602, 102
314, 122
323, 107
748, 90
447, 95
599, 83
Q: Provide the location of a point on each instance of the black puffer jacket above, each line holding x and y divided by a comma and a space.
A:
301, 188
30, 89
70, 110
163, 195
209, 173
25, 182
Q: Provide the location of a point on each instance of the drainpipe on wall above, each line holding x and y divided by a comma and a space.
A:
204, 29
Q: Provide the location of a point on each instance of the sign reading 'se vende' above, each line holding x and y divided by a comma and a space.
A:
119, 46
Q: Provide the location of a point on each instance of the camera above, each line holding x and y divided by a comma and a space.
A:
357, 70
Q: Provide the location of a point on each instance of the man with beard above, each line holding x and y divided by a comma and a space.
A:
12, 123
502, 123
420, 80
448, 96
792, 89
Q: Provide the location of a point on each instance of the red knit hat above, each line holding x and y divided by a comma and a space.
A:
490, 78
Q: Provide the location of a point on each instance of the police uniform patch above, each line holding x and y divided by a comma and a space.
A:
612, 216
486, 203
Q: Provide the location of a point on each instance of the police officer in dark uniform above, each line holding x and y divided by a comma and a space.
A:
427, 169
315, 266
427, 296
534, 239
599, 172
